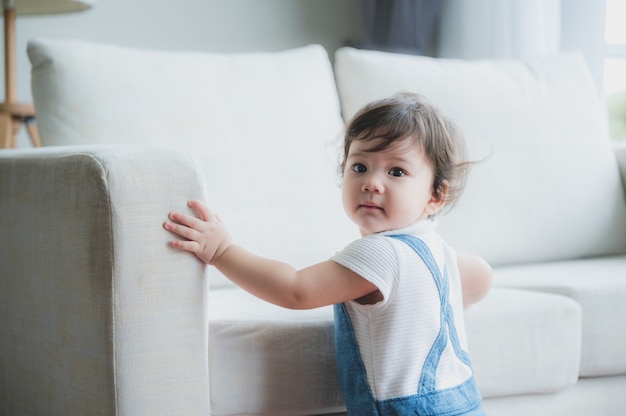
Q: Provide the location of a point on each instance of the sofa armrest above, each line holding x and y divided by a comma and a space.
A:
620, 153
98, 315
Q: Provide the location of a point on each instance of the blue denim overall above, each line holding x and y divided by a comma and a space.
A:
463, 399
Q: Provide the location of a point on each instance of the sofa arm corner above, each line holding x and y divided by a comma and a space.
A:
98, 315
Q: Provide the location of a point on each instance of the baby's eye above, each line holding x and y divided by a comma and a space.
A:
359, 168
397, 172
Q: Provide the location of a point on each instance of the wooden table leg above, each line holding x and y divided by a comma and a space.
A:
33, 132
7, 138
12, 116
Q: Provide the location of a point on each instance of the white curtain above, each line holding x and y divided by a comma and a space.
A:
582, 29
478, 29
475, 29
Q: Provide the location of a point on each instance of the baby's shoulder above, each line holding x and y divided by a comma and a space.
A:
377, 243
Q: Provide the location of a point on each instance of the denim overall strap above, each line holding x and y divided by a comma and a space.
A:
351, 371
427, 381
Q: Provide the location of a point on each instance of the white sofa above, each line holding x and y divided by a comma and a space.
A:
99, 316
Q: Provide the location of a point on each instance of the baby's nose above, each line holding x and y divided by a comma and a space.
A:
373, 183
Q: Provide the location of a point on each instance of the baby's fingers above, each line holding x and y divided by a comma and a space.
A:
191, 246
181, 230
186, 220
201, 208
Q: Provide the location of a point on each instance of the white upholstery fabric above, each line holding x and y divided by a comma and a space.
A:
267, 360
98, 316
262, 126
547, 185
532, 345
599, 286
603, 396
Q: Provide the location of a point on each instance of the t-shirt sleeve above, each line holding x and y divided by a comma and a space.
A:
374, 259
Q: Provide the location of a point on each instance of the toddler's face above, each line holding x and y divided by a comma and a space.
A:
388, 189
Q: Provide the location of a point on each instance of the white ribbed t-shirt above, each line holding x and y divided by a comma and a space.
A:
395, 335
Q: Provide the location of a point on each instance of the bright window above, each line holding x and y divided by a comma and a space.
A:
615, 66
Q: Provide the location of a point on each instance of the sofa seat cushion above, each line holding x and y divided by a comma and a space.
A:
261, 126
523, 342
599, 286
264, 359
589, 397
538, 130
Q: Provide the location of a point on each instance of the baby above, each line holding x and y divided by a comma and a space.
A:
399, 291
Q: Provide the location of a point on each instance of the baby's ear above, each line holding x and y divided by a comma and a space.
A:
438, 198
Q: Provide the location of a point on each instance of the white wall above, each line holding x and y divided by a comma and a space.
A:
198, 25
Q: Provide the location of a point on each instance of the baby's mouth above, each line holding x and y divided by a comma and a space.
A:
370, 205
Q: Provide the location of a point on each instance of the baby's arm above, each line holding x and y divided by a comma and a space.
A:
322, 284
476, 277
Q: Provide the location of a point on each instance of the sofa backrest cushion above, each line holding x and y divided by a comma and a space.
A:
547, 185
261, 126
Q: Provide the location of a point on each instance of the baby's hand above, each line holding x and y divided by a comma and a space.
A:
206, 237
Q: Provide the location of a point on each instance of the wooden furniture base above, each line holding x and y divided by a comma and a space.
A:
12, 116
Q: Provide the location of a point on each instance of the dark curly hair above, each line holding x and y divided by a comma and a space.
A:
410, 116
